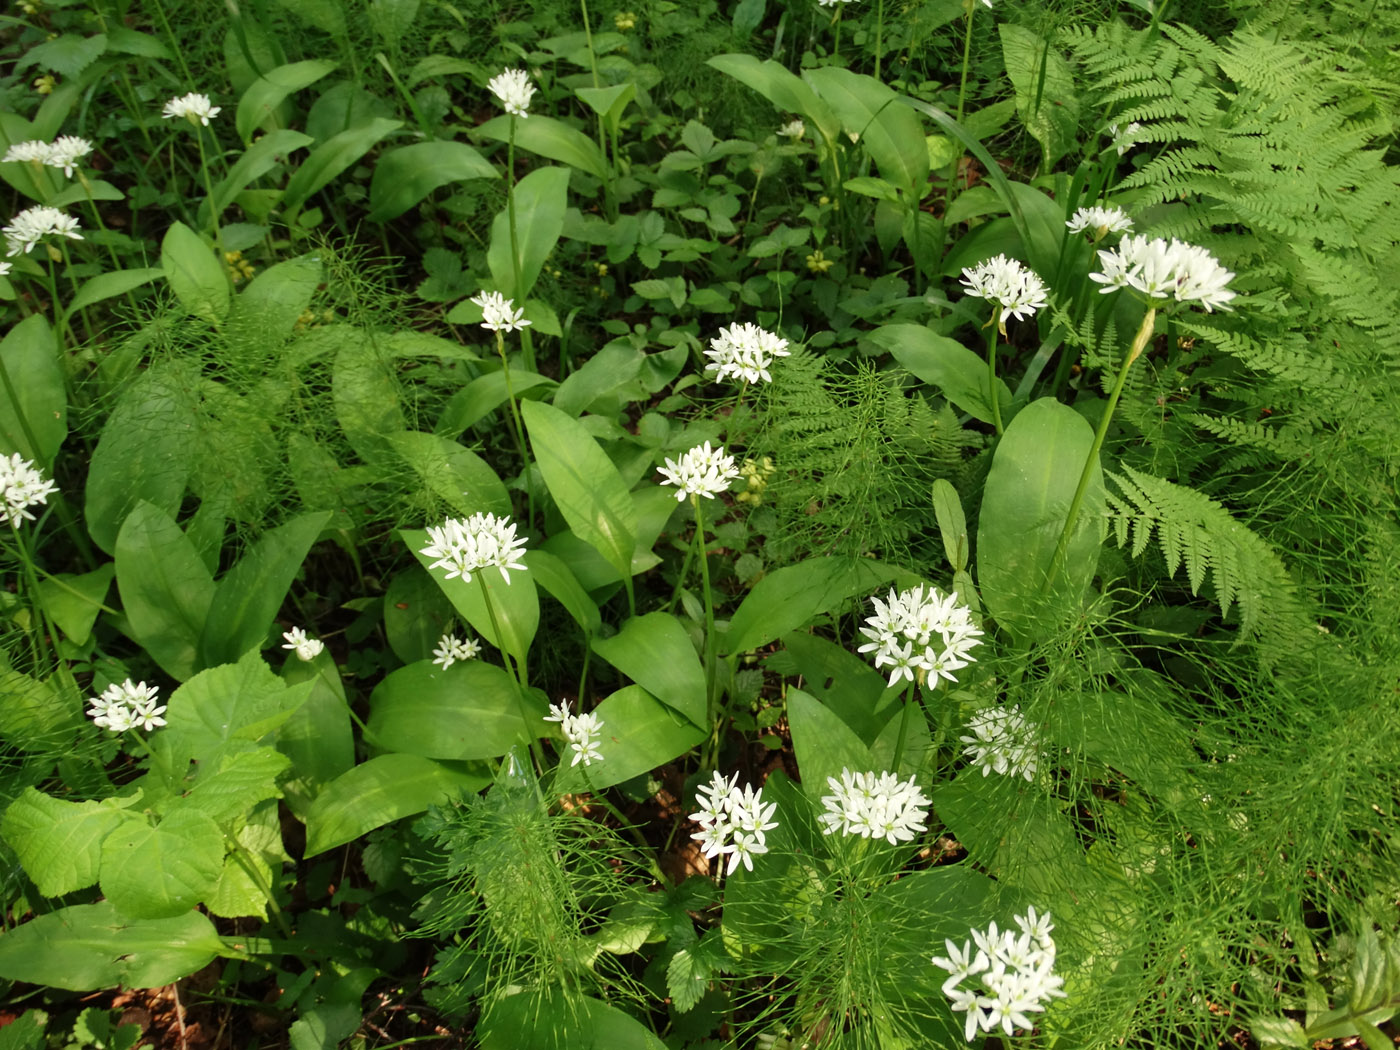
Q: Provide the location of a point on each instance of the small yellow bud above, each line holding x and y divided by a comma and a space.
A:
45, 84
625, 20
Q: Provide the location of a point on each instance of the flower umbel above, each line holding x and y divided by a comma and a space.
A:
874, 807
451, 649
126, 706
32, 225
194, 107
306, 647
463, 547
733, 821
793, 129
23, 486
1165, 270
66, 151
1099, 222
745, 351
918, 633
581, 731
702, 471
499, 313
32, 151
1015, 973
513, 90
1003, 742
1017, 290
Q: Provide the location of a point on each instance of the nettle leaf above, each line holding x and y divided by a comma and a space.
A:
226, 709
238, 784
158, 872
59, 843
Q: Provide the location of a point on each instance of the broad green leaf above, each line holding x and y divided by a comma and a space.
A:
608, 102
889, 131
264, 315
656, 652
110, 285
159, 872
784, 89
246, 600
514, 600
550, 138
262, 98
540, 200
25, 1032
548, 1021
558, 580
228, 709
790, 597
639, 734
958, 373
317, 737
844, 681
231, 788
326, 15
143, 453
463, 480
952, 524
59, 843
257, 160
615, 365
406, 175
416, 614
195, 274
366, 396
165, 587
131, 42
823, 744
332, 157
90, 946
36, 427
37, 715
586, 487
377, 792
472, 707
482, 396
239, 892
1035, 470
1045, 98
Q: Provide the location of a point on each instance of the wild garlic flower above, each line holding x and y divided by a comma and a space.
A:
66, 151
733, 822
702, 471
1099, 222
1003, 742
33, 151
513, 90
127, 706
833, 3
451, 649
463, 547
1125, 139
5, 269
500, 314
1017, 290
32, 225
745, 351
793, 130
874, 807
1165, 270
306, 647
194, 107
1015, 973
22, 486
581, 731
921, 635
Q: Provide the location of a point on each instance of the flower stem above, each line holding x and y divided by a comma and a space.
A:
992, 327
903, 729
527, 346
1144, 333
711, 693
517, 673
962, 100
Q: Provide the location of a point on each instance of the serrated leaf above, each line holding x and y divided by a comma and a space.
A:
686, 980
159, 872
59, 843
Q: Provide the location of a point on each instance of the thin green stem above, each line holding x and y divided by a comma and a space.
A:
527, 345
992, 327
879, 36
517, 673
962, 101
631, 830
1144, 333
903, 728
711, 692
209, 189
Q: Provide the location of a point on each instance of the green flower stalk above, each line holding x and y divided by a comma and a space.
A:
513, 90
1016, 292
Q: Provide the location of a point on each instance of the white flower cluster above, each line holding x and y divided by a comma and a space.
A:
126, 706
581, 731
917, 632
500, 314
463, 547
1014, 971
794, 130
1163, 269
702, 471
1099, 221
64, 152
1003, 742
194, 107
745, 351
1015, 288
513, 90
451, 649
32, 225
23, 486
874, 807
1126, 138
306, 647
732, 821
